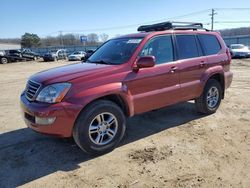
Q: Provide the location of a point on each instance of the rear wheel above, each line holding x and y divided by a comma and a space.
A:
4, 60
210, 99
100, 127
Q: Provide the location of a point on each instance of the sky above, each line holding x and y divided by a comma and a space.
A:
113, 17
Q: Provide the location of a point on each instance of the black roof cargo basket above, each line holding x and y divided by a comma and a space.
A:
171, 25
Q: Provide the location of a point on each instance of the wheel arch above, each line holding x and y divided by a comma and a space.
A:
220, 78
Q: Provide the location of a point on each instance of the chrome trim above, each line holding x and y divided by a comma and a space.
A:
32, 89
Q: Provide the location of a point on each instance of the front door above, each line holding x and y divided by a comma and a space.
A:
158, 86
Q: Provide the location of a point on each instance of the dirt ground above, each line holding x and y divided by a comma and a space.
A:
171, 147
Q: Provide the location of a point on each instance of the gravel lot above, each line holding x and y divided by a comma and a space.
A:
171, 147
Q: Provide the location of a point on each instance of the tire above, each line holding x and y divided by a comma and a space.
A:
4, 60
89, 129
210, 99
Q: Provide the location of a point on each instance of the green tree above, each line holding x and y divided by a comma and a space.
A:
29, 40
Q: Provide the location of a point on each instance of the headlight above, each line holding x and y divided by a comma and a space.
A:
53, 93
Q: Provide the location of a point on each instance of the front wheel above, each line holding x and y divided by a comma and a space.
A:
4, 60
210, 99
100, 127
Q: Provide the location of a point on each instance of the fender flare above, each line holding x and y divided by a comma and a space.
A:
89, 95
210, 72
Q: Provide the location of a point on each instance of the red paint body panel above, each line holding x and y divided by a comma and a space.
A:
145, 90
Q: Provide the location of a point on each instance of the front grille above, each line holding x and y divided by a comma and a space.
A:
29, 117
31, 90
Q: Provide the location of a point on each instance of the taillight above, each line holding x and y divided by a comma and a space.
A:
228, 55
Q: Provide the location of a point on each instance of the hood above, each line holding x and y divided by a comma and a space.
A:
69, 72
74, 55
246, 49
50, 54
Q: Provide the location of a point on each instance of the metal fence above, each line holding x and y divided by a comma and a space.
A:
70, 49
242, 39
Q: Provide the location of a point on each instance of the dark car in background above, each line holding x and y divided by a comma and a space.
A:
27, 53
18, 55
54, 55
23, 54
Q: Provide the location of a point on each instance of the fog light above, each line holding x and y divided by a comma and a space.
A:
45, 121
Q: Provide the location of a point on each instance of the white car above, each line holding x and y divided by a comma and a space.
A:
239, 50
77, 56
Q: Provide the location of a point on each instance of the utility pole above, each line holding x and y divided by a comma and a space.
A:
61, 40
212, 19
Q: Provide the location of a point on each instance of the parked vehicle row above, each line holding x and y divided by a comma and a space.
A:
8, 56
55, 55
18, 55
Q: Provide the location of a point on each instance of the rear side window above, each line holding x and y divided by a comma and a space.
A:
186, 45
210, 44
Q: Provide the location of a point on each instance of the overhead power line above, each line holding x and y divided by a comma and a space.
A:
232, 8
232, 22
213, 13
132, 25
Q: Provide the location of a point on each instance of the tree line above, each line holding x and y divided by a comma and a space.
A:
30, 40
235, 31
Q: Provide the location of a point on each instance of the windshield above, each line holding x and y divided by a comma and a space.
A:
240, 46
52, 51
76, 53
116, 51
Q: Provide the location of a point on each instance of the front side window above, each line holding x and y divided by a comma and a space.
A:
161, 48
186, 45
115, 51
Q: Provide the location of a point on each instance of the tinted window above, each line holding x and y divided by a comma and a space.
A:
210, 44
186, 45
160, 47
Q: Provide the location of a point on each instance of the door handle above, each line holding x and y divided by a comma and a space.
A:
202, 63
173, 69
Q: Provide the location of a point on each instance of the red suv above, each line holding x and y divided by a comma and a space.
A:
163, 64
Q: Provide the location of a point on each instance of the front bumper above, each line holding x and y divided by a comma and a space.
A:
48, 58
241, 54
74, 58
65, 115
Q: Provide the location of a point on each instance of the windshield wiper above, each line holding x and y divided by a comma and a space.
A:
101, 62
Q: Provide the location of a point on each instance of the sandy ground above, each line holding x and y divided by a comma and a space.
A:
171, 147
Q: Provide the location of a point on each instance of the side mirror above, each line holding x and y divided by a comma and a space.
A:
87, 55
144, 62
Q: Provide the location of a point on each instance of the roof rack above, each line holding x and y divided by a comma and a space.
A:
171, 25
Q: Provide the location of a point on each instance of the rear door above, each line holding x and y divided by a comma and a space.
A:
191, 65
212, 49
